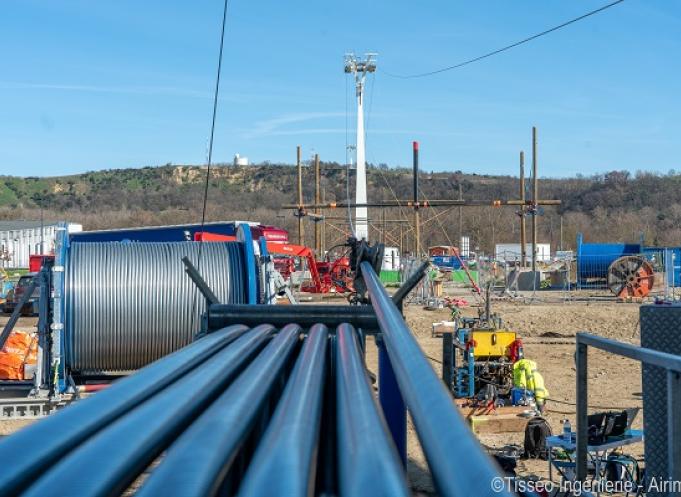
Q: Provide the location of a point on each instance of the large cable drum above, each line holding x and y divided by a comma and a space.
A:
631, 276
128, 304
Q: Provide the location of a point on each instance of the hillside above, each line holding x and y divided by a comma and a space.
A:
610, 207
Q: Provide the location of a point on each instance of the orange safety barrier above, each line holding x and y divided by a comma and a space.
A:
21, 348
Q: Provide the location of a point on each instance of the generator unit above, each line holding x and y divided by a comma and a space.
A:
483, 358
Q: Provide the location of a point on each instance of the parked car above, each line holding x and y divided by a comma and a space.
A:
15, 295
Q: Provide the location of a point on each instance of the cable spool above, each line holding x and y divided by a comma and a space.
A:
128, 304
631, 276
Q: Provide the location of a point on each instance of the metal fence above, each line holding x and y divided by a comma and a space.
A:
669, 362
585, 277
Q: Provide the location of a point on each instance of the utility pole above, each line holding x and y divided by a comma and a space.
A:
42, 229
301, 228
561, 232
529, 207
535, 197
523, 235
460, 212
401, 240
359, 68
417, 221
323, 223
317, 199
384, 226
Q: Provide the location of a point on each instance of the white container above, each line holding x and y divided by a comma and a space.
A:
465, 246
391, 259
510, 252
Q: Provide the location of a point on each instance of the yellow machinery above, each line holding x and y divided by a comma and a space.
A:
491, 343
485, 352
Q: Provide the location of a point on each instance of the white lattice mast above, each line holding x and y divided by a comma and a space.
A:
359, 68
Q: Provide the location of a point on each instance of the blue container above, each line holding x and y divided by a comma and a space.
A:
446, 261
517, 395
594, 259
176, 233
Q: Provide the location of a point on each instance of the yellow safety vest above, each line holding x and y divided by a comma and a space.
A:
526, 376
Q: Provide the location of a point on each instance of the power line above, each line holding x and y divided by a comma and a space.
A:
215, 111
210, 150
503, 49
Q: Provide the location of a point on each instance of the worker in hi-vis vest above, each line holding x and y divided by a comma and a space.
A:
526, 376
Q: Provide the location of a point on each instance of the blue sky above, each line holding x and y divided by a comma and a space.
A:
90, 85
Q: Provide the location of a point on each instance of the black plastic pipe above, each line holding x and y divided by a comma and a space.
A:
107, 463
198, 461
285, 461
409, 285
16, 312
368, 464
42, 444
360, 316
446, 439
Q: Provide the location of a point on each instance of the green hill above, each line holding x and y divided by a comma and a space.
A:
611, 207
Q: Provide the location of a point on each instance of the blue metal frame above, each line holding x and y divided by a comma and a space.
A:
59, 311
466, 371
263, 247
264, 280
243, 234
392, 403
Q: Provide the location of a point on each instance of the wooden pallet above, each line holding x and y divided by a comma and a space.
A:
504, 419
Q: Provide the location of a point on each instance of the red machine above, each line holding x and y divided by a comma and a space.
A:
271, 233
35, 261
325, 276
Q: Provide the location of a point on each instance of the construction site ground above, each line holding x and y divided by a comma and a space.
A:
548, 331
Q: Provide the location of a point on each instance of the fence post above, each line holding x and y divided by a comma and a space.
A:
447, 359
673, 426
582, 403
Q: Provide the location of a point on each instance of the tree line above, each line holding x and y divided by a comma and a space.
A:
612, 207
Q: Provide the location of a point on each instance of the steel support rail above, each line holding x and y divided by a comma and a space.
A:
284, 462
670, 362
458, 463
409, 285
16, 312
115, 456
42, 444
197, 463
392, 402
368, 462
362, 316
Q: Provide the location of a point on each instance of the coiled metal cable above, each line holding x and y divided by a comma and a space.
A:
128, 304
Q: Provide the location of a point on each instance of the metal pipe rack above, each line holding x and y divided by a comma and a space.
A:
255, 409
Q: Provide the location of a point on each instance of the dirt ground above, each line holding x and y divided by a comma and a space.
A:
614, 382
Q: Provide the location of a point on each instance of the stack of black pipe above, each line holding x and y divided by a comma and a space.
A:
237, 412
255, 410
